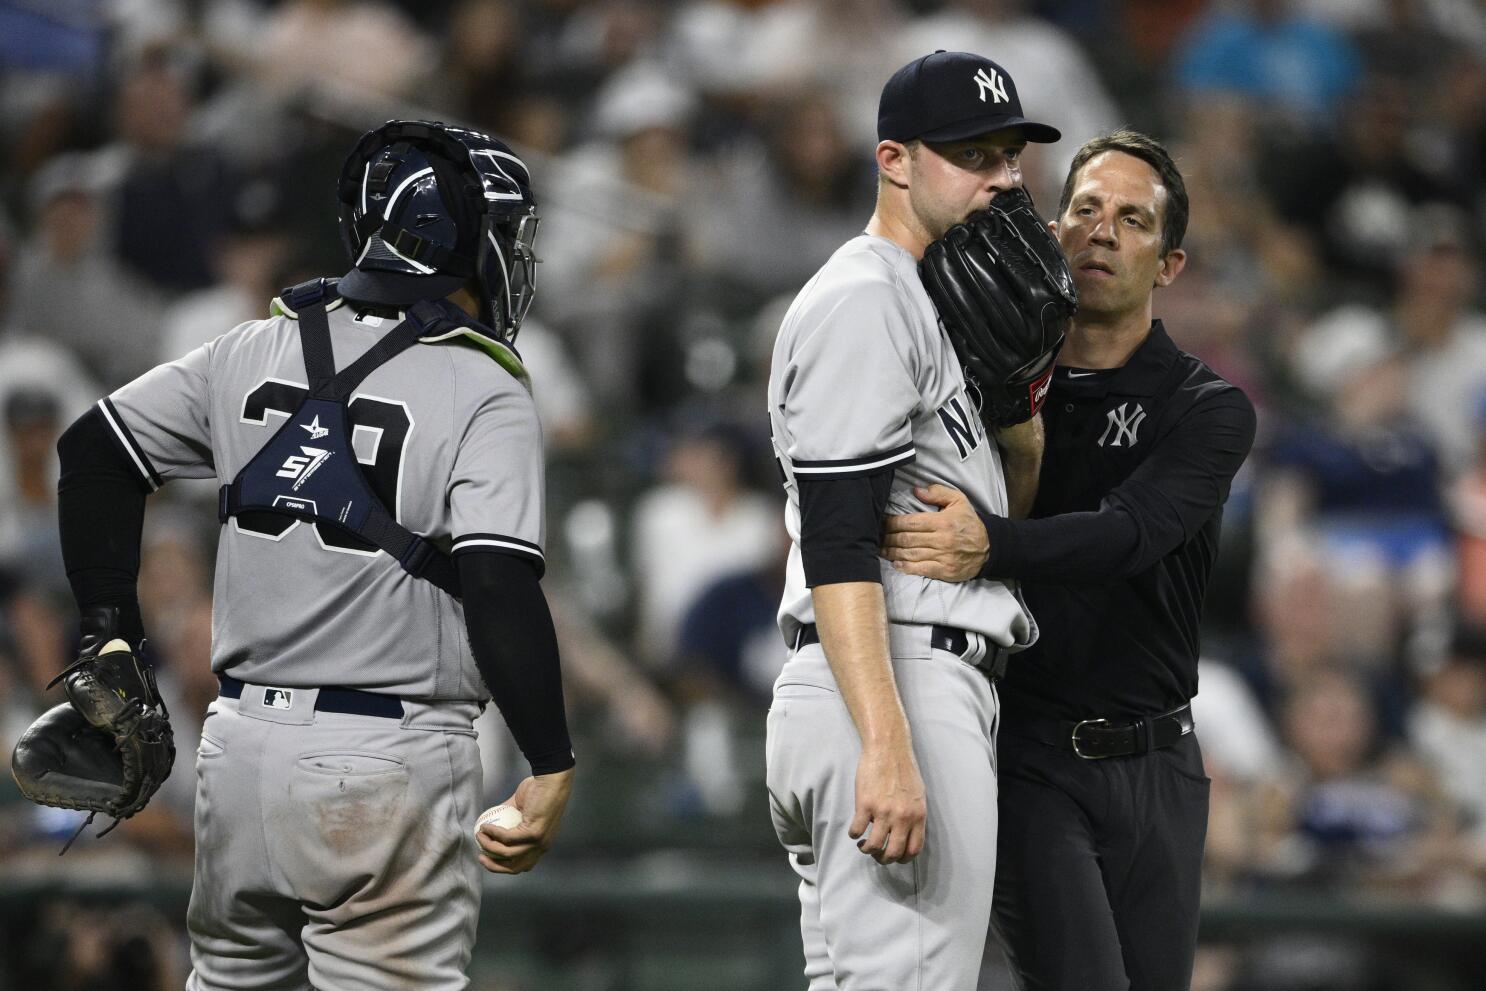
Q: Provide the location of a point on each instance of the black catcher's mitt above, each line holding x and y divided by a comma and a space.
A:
110, 747
1004, 294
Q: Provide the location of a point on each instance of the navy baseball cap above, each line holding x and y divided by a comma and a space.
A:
951, 96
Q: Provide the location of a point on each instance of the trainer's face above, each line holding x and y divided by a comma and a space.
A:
1111, 233
949, 181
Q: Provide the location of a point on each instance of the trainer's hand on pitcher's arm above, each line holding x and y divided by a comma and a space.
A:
949, 544
542, 800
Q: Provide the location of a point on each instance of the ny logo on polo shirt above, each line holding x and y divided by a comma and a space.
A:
1124, 424
993, 82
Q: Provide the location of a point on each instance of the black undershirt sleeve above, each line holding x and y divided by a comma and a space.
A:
100, 513
515, 648
841, 526
1163, 503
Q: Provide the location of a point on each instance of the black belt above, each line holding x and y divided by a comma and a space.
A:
1095, 739
956, 641
352, 701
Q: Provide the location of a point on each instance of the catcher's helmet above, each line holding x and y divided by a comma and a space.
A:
426, 208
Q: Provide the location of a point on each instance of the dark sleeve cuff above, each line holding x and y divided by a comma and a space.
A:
499, 543
870, 464
552, 763
841, 526
1004, 554
121, 435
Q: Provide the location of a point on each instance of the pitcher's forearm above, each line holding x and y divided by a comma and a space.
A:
1021, 463
852, 620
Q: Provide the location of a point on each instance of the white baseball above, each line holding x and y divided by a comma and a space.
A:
504, 816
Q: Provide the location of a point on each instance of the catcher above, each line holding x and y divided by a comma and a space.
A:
378, 579
881, 764
1103, 807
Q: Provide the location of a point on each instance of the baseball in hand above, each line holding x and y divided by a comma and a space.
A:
504, 816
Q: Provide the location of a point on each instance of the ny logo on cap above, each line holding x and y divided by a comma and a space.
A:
994, 83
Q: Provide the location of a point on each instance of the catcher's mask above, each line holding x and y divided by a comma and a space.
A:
427, 208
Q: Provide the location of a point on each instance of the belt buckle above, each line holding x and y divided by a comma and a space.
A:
1074, 737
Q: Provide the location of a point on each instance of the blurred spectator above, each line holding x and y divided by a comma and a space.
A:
1433, 319
728, 653
729, 646
76, 946
28, 364
1364, 472
1363, 480
610, 701
1238, 245
1448, 727
1346, 811
1316, 612
780, 208
745, 51
183, 664
634, 715
1054, 76
588, 42
1239, 753
1268, 52
481, 77
172, 202
1355, 188
250, 266
31, 633
560, 393
365, 48
28, 511
1236, 737
1456, 130
697, 526
174, 575
68, 288
611, 230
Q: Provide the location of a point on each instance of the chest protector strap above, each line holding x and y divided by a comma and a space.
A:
308, 468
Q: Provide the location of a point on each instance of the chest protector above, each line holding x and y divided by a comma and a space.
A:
308, 469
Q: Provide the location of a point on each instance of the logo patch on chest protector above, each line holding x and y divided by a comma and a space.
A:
962, 424
301, 467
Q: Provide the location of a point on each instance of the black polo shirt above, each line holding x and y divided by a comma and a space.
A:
1116, 557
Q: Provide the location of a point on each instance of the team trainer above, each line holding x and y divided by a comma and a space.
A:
1103, 796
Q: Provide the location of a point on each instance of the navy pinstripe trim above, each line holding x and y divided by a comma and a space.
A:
854, 467
130, 445
499, 543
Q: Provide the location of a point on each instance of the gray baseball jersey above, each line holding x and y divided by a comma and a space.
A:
864, 377
454, 448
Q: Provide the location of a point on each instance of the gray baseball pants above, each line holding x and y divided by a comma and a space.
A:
919, 926
334, 851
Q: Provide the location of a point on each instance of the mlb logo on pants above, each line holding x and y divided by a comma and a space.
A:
278, 698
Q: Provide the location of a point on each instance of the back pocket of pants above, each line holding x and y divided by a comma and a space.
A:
350, 763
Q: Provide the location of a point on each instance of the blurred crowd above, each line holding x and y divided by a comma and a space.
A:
168, 165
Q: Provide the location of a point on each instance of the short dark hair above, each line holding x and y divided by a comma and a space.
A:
1154, 154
